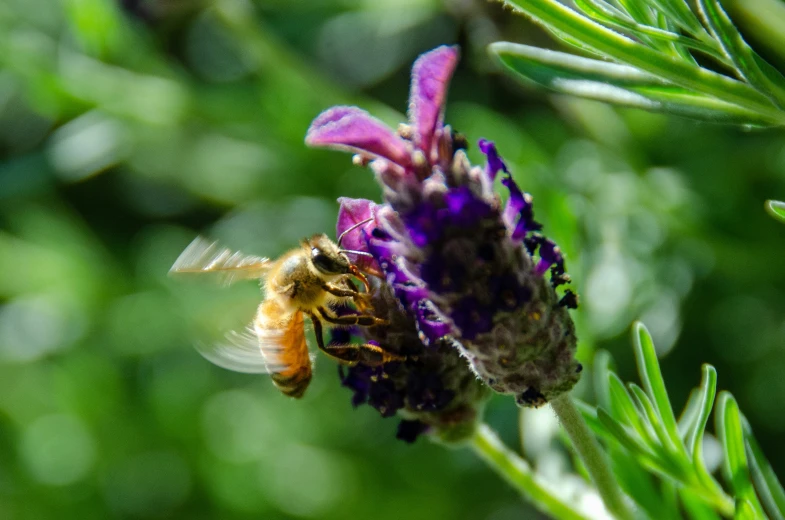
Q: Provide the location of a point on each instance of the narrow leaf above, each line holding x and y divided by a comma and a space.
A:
555, 16
637, 483
689, 416
663, 466
639, 11
611, 17
696, 508
600, 371
622, 405
728, 419
744, 510
620, 433
776, 209
654, 418
681, 14
766, 482
754, 69
707, 391
651, 377
612, 83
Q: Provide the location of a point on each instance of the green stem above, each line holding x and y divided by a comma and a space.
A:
519, 475
618, 47
591, 454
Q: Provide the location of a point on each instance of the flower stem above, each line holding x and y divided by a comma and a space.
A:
518, 474
589, 451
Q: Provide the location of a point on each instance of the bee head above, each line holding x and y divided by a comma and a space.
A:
327, 257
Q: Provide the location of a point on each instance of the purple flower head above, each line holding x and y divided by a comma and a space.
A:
470, 271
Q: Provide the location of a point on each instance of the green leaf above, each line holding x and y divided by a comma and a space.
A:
767, 484
744, 510
639, 11
707, 391
555, 16
637, 483
752, 67
612, 83
735, 467
689, 416
654, 418
620, 433
622, 407
681, 14
695, 506
776, 209
611, 17
603, 11
651, 377
601, 369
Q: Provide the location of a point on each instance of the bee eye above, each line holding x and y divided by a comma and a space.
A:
326, 263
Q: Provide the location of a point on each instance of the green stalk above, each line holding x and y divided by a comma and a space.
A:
592, 455
565, 20
519, 475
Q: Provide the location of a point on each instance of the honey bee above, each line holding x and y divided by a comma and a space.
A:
309, 280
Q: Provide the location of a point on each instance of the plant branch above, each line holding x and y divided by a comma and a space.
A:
618, 47
519, 475
592, 456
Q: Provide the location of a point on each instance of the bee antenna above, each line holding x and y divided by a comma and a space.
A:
361, 253
352, 229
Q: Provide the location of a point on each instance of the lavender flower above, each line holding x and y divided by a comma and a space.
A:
434, 390
472, 273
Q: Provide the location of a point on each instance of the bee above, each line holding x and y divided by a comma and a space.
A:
311, 281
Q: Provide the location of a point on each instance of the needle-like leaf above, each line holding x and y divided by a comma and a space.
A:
776, 209
613, 83
651, 377
735, 468
749, 65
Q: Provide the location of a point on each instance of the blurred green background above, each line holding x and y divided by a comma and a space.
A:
129, 126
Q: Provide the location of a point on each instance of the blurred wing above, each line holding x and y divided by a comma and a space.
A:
240, 352
203, 256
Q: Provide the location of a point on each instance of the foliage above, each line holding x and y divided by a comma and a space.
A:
646, 439
660, 49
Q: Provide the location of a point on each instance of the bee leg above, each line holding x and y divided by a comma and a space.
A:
363, 320
360, 300
368, 354
337, 291
360, 276
345, 354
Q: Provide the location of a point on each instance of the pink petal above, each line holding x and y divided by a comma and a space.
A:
355, 130
352, 212
431, 75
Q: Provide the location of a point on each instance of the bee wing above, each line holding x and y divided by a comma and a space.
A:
240, 352
203, 256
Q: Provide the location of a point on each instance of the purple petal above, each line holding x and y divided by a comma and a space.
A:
518, 214
495, 162
356, 130
432, 331
352, 213
466, 209
431, 75
550, 254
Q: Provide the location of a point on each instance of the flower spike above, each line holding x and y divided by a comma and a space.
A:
461, 278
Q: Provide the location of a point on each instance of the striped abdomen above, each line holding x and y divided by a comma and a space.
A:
282, 342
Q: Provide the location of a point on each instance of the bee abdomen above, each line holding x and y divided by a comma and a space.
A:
294, 383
